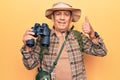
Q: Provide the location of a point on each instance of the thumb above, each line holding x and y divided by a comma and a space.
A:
86, 19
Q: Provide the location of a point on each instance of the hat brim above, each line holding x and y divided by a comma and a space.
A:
76, 13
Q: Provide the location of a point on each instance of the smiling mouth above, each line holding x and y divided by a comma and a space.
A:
61, 22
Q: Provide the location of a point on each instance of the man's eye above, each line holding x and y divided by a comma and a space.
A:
67, 14
57, 13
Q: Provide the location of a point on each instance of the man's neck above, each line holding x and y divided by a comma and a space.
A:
60, 33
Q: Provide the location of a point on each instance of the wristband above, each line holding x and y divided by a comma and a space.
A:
96, 34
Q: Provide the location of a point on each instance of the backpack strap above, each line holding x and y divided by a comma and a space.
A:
79, 38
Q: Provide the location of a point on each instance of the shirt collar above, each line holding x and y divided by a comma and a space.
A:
54, 34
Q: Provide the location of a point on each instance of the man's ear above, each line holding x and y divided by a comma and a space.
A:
52, 17
71, 18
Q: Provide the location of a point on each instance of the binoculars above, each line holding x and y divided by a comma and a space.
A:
42, 30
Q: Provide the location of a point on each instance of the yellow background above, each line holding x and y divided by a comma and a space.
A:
18, 15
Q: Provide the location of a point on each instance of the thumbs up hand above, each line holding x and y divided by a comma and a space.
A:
86, 27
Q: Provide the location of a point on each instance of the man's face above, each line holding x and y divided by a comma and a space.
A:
62, 20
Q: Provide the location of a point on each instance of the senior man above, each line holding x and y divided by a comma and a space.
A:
70, 65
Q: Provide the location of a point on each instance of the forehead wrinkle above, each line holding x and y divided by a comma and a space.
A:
62, 10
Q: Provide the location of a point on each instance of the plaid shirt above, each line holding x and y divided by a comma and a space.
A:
31, 59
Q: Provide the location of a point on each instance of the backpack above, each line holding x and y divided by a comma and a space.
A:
77, 34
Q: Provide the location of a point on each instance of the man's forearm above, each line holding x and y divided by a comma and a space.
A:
30, 57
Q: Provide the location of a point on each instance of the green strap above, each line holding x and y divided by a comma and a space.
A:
55, 62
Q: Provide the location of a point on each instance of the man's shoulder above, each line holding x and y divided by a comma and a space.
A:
76, 32
78, 35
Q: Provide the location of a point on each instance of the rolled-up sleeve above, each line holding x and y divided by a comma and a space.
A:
93, 48
31, 58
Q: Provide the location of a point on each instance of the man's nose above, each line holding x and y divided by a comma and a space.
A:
62, 16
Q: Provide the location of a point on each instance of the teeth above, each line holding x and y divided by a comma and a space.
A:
62, 22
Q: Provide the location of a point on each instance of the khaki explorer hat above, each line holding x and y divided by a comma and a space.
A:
76, 13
